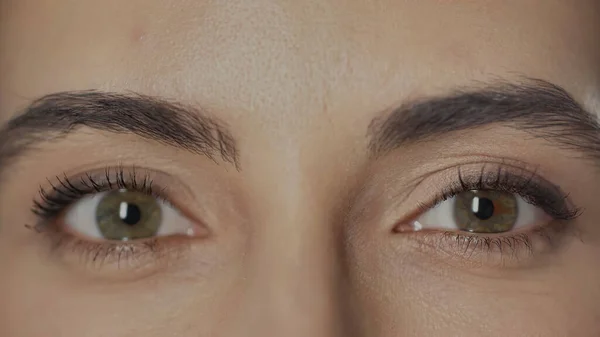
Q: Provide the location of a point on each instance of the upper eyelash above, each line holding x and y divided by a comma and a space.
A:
62, 192
529, 185
65, 191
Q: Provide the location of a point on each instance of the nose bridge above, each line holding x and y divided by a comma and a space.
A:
298, 276
294, 271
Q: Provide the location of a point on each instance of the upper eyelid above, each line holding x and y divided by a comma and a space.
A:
60, 191
142, 173
525, 185
512, 164
402, 204
505, 176
194, 204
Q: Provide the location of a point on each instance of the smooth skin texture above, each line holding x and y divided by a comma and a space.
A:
302, 237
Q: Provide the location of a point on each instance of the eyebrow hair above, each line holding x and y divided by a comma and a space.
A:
56, 115
536, 106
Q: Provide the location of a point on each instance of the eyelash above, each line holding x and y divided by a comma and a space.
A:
65, 192
55, 199
530, 186
506, 178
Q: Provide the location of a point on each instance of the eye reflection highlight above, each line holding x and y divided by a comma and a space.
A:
124, 215
479, 211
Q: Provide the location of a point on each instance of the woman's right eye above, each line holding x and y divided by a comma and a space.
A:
124, 215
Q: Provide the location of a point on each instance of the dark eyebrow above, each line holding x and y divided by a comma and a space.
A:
153, 118
536, 106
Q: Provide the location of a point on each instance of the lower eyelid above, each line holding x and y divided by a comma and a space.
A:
127, 261
483, 253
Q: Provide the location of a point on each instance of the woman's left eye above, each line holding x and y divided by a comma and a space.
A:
482, 211
124, 215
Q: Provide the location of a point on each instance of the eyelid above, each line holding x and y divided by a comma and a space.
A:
516, 248
122, 259
62, 192
440, 185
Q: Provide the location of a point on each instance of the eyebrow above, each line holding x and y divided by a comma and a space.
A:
543, 109
537, 106
56, 115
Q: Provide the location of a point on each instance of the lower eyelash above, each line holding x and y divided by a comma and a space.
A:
471, 243
132, 256
504, 250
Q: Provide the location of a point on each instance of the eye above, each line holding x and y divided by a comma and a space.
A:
124, 215
482, 211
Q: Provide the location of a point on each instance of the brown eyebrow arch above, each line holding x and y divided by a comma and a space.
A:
58, 114
536, 106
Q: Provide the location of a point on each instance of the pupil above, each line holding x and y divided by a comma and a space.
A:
483, 208
130, 213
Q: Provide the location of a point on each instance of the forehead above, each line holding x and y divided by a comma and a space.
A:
292, 60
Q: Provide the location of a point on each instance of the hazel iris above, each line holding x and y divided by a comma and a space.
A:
485, 211
127, 215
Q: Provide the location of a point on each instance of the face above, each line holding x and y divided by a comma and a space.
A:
285, 168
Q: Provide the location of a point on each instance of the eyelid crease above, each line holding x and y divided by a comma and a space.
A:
508, 176
127, 261
527, 184
412, 187
480, 252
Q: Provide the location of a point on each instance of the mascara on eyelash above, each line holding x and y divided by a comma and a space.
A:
533, 188
67, 190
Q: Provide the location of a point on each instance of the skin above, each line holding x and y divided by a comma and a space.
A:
300, 247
